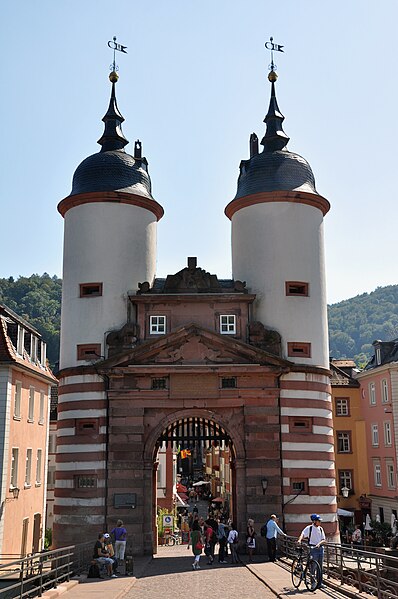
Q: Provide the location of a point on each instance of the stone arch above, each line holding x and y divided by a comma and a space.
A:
150, 444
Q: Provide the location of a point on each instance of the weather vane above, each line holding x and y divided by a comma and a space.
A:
114, 46
274, 48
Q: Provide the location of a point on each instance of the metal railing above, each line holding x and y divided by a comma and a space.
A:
364, 571
36, 573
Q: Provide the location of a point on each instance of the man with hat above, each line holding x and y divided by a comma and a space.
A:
315, 535
272, 532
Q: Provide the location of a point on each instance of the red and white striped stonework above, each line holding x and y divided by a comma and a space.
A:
309, 455
80, 452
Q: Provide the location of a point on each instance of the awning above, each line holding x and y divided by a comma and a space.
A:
344, 513
180, 502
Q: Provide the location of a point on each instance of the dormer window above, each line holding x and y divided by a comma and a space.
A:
378, 356
228, 324
157, 325
20, 340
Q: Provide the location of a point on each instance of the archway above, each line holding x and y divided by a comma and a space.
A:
194, 450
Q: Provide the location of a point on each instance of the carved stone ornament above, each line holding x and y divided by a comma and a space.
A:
266, 339
124, 338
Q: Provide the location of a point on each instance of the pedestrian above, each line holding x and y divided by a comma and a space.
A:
119, 534
222, 540
250, 539
233, 539
195, 509
196, 540
271, 532
357, 537
209, 542
315, 535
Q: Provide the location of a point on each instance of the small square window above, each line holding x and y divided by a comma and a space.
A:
296, 288
228, 382
298, 349
86, 481
159, 383
228, 324
87, 427
157, 325
300, 424
298, 486
89, 351
90, 289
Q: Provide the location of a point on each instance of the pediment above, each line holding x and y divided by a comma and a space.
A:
193, 345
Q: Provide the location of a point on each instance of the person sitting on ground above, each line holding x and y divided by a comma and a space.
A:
109, 548
101, 555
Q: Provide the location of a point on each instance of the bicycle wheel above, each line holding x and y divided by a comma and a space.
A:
297, 572
170, 541
312, 575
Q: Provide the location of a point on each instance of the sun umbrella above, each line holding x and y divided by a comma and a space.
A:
201, 482
393, 524
367, 523
181, 488
218, 500
183, 496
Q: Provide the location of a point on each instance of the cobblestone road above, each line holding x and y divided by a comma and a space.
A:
170, 576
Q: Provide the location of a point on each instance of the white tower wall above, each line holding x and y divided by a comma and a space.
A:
109, 243
275, 242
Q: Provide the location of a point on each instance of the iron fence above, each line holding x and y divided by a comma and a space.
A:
36, 573
371, 572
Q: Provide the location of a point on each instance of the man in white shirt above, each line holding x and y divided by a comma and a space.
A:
315, 535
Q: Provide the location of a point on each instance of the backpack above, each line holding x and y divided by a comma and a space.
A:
94, 571
263, 530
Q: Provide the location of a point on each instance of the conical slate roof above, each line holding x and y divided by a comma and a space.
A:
112, 169
275, 168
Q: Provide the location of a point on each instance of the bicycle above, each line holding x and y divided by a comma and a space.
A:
173, 539
306, 568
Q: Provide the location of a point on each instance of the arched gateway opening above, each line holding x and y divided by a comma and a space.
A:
195, 460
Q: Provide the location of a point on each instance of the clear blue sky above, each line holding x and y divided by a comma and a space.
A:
192, 87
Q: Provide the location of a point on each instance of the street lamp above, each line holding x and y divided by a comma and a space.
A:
345, 491
264, 484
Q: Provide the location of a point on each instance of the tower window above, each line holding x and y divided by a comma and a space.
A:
89, 351
86, 481
157, 325
228, 382
90, 289
297, 349
228, 324
87, 427
160, 383
300, 424
298, 486
296, 288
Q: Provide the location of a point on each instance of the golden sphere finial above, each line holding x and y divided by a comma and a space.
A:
113, 77
272, 76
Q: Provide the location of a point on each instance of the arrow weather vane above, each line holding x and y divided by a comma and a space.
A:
114, 46
274, 48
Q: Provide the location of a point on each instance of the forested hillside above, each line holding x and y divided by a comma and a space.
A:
353, 324
38, 299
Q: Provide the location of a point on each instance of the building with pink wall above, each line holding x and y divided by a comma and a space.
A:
379, 396
25, 383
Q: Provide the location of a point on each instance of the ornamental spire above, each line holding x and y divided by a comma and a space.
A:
275, 138
113, 138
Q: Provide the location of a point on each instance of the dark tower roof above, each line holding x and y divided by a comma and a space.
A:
112, 169
275, 168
